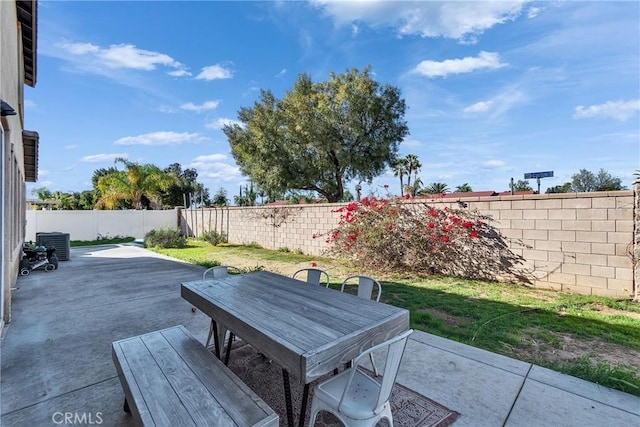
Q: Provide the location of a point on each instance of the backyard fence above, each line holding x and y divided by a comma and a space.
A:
578, 242
94, 224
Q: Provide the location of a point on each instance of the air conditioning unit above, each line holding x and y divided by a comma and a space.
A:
61, 241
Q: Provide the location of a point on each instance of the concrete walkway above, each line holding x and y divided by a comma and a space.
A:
56, 353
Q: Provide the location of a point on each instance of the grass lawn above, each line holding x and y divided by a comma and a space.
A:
103, 241
594, 338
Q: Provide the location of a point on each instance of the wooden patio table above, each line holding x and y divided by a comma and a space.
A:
308, 330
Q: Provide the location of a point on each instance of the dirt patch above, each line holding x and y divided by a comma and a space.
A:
563, 347
449, 319
603, 309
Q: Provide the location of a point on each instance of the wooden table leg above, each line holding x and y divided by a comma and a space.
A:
216, 341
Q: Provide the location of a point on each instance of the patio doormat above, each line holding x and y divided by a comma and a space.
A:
409, 408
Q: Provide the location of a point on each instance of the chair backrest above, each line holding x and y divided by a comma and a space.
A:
396, 346
365, 285
314, 276
219, 271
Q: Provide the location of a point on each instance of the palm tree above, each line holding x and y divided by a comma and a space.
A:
414, 189
133, 184
400, 169
436, 188
464, 188
413, 165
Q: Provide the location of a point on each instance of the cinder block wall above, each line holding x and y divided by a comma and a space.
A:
576, 242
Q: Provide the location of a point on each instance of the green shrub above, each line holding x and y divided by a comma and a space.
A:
165, 238
213, 237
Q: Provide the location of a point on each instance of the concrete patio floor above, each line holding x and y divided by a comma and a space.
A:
56, 352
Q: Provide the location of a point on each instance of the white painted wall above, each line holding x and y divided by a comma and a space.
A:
88, 225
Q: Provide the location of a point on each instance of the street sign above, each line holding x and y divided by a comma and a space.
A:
533, 175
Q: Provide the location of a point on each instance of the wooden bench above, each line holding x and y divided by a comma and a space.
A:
170, 379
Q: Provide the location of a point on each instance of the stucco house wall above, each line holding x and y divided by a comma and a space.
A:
12, 80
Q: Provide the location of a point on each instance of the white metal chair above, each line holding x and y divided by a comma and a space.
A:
217, 273
365, 286
365, 290
356, 398
315, 276
220, 271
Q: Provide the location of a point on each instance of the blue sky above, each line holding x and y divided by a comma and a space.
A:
493, 89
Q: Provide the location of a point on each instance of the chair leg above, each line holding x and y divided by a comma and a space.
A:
312, 417
373, 363
226, 357
210, 335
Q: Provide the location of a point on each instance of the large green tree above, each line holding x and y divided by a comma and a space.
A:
185, 189
522, 185
83, 200
220, 198
585, 181
247, 196
135, 184
42, 193
564, 188
320, 136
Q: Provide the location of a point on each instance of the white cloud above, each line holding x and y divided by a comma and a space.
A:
484, 60
478, 107
70, 147
222, 122
499, 105
215, 167
617, 110
461, 20
29, 103
95, 158
42, 173
214, 72
203, 161
166, 109
493, 164
46, 184
120, 56
79, 48
180, 73
161, 138
281, 73
207, 105
534, 12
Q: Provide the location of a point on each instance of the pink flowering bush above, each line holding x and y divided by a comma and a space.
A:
391, 234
